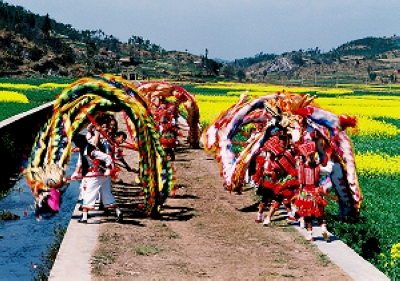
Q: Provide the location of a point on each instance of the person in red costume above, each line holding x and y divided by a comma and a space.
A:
310, 200
265, 179
284, 165
166, 116
275, 176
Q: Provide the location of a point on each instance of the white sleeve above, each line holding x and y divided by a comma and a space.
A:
102, 156
326, 169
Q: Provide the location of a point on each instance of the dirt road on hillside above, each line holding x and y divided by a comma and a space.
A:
206, 233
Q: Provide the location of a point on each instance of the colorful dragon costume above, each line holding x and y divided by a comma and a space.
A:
156, 91
295, 115
81, 102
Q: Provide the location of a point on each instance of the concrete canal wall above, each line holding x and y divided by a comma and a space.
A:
16, 139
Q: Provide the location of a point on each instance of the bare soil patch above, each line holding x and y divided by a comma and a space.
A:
206, 233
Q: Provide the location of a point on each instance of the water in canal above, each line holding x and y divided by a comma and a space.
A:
26, 239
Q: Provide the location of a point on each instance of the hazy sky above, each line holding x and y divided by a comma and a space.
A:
229, 29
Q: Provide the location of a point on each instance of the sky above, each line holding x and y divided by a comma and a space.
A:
228, 29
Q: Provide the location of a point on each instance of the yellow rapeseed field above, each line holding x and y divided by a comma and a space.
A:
377, 163
10, 96
53, 85
18, 86
262, 89
367, 109
33, 87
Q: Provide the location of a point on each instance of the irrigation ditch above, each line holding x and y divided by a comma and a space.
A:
29, 245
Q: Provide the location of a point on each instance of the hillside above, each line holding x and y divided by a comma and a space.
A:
369, 59
34, 45
73, 58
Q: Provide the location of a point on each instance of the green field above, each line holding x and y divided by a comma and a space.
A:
36, 95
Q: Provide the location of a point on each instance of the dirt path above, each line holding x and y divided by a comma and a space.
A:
206, 233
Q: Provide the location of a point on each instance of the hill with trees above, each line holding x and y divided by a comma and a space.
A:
38, 45
369, 59
34, 45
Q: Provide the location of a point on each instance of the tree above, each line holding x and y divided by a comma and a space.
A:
205, 59
46, 28
215, 67
241, 74
90, 49
392, 78
68, 56
155, 48
228, 71
212, 67
30, 20
372, 76
298, 59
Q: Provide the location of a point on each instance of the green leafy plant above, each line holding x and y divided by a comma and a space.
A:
147, 250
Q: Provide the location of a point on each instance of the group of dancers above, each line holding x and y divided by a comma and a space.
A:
153, 131
166, 114
293, 169
102, 146
99, 149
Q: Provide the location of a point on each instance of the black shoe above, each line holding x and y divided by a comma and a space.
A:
82, 221
120, 218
